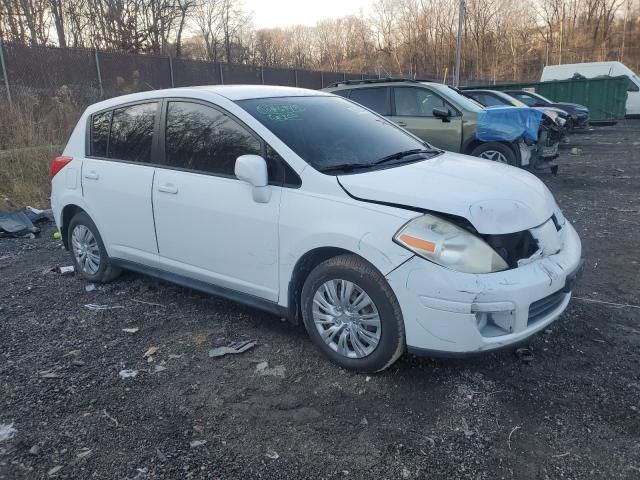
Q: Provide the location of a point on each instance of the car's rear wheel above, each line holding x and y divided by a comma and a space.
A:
90, 258
496, 152
352, 315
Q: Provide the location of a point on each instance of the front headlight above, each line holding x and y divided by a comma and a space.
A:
448, 245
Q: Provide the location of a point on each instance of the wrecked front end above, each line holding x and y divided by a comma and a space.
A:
449, 313
536, 134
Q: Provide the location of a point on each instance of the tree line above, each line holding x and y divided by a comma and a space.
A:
504, 39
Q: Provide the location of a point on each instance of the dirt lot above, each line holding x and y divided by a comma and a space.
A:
573, 412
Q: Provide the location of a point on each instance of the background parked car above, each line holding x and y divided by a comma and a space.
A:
578, 114
437, 114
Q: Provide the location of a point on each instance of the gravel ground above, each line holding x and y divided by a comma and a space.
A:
571, 412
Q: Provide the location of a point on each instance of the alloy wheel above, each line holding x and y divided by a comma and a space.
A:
494, 155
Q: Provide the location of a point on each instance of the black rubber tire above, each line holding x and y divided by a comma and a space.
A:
357, 270
106, 271
508, 152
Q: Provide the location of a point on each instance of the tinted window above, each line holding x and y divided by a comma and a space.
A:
132, 132
327, 131
632, 86
202, 138
342, 93
100, 124
488, 100
526, 99
416, 102
376, 99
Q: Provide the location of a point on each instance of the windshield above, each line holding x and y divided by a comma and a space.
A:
333, 133
512, 100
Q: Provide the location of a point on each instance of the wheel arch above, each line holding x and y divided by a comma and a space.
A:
303, 267
68, 212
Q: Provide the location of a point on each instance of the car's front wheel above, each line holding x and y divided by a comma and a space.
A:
90, 258
352, 315
496, 152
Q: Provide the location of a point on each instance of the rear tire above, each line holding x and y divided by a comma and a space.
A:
352, 315
497, 152
87, 250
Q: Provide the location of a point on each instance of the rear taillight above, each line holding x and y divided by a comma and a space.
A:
58, 164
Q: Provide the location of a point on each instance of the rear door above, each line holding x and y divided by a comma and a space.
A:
117, 176
208, 225
413, 109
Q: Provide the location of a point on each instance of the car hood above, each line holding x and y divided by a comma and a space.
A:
494, 197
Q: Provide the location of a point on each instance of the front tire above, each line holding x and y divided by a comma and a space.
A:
352, 315
89, 256
496, 152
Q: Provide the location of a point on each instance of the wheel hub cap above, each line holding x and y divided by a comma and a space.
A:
346, 318
85, 249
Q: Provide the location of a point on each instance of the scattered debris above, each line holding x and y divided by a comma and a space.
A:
96, 308
364, 422
49, 374
272, 455
106, 415
232, 348
131, 330
150, 351
612, 304
77, 363
7, 432
127, 373
72, 353
57, 235
91, 287
159, 368
54, 470
197, 443
84, 453
525, 354
405, 472
263, 369
21, 223
161, 456
65, 270
35, 450
517, 427
575, 151
174, 356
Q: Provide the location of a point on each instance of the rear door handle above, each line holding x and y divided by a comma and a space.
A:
168, 188
402, 124
92, 175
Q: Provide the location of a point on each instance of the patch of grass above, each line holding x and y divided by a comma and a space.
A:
24, 176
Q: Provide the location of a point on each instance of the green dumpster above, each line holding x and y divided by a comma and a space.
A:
605, 97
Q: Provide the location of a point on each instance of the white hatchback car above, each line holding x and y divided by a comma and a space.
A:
307, 205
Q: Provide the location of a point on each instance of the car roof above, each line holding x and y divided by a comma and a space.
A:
230, 92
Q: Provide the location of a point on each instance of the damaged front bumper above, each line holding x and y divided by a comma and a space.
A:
449, 313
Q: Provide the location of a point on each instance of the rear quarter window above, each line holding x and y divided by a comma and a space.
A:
131, 134
100, 124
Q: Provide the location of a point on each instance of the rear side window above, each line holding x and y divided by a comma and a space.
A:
204, 139
376, 99
487, 100
100, 124
132, 132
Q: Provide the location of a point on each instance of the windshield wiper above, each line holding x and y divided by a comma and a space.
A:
406, 153
346, 167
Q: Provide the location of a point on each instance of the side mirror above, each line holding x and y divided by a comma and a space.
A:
441, 113
253, 170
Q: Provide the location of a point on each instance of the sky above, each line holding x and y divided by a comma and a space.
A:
282, 13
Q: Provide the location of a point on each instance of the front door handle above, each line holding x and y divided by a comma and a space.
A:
92, 175
402, 124
168, 188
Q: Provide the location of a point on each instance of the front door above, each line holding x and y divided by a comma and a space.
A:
117, 179
414, 111
208, 225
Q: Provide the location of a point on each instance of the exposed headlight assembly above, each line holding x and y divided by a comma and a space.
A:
446, 244
560, 121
